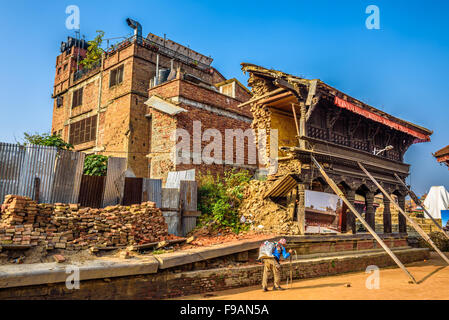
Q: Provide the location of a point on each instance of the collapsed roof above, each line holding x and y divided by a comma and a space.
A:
279, 79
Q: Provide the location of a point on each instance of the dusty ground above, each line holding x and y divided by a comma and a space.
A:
432, 276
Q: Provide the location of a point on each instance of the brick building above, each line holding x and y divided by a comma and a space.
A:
129, 104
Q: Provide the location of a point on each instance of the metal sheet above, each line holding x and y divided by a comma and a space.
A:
188, 192
152, 191
91, 191
174, 178
67, 179
133, 191
59, 172
115, 181
188, 224
170, 198
172, 220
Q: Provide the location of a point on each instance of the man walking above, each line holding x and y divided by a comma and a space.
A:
274, 265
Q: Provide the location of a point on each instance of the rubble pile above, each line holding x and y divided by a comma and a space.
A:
66, 226
265, 215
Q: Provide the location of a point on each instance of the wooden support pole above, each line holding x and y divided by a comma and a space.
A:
410, 220
339, 193
291, 202
296, 120
261, 97
418, 202
301, 213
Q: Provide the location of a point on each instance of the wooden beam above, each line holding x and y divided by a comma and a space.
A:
418, 202
296, 120
337, 190
410, 220
261, 97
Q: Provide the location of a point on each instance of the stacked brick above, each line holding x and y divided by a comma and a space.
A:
66, 226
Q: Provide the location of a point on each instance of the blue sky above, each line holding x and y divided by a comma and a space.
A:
401, 68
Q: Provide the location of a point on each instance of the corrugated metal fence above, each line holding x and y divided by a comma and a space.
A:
42, 173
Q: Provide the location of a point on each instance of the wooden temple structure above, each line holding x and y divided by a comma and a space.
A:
442, 156
313, 118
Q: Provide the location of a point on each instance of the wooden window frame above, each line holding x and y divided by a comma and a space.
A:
116, 76
83, 131
77, 97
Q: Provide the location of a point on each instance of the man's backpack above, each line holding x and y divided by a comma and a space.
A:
266, 250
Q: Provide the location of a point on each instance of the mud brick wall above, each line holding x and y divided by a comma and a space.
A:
69, 227
168, 284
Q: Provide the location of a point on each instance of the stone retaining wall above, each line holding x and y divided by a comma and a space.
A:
169, 284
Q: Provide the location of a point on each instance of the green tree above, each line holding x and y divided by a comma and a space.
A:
95, 165
45, 139
94, 51
220, 197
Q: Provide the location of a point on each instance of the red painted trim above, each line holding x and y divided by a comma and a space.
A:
375, 117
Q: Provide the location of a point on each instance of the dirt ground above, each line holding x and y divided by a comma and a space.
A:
432, 277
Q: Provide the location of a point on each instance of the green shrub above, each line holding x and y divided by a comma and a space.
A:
45, 139
95, 165
220, 197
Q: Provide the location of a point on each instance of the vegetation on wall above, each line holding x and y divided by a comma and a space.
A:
95, 165
45, 139
94, 51
219, 199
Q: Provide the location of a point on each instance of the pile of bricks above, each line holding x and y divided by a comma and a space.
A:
66, 226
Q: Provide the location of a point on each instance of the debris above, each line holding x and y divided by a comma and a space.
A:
162, 244
263, 214
348, 285
59, 258
67, 226
125, 255
190, 239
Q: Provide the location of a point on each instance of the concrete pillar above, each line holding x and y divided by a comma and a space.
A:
401, 218
370, 212
387, 215
301, 213
350, 220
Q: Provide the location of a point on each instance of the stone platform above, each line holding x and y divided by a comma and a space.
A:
187, 272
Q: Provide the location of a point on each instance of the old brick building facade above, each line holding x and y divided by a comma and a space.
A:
108, 110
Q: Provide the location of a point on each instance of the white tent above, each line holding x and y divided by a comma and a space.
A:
437, 200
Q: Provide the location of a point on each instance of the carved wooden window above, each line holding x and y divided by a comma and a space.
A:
83, 131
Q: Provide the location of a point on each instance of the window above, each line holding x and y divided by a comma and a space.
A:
228, 89
65, 66
116, 76
59, 70
77, 98
59, 101
83, 131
